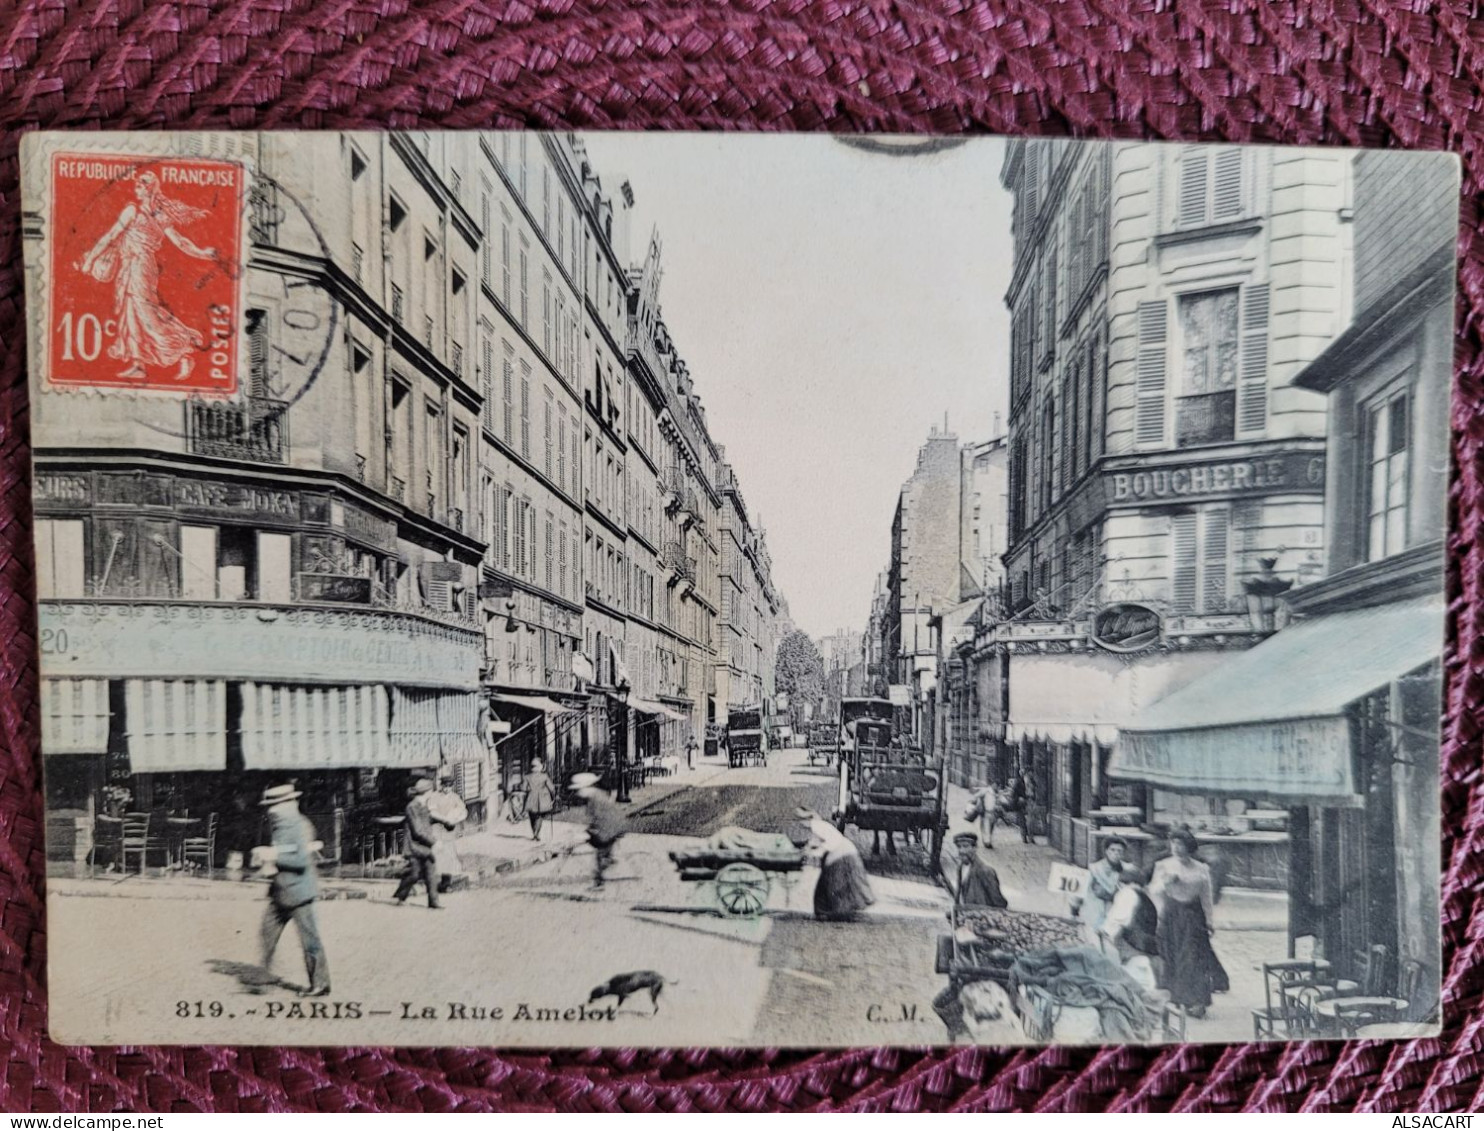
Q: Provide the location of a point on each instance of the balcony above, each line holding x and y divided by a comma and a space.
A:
672, 487
680, 567
256, 430
1210, 418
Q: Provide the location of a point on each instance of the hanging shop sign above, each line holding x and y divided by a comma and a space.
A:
1126, 627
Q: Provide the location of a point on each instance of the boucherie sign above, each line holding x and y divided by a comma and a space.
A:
1299, 472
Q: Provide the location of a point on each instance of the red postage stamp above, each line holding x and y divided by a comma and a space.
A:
146, 265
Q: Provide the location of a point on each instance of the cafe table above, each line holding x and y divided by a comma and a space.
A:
179, 828
1331, 1011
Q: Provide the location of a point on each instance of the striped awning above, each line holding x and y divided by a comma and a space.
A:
176, 725
74, 716
305, 727
458, 726
416, 733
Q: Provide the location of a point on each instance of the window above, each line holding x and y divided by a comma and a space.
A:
505, 257
525, 410
546, 201
486, 233
550, 553
1201, 564
508, 402
1210, 185
562, 562
504, 535
521, 507
1387, 443
59, 558
546, 314
524, 291
561, 476
547, 448
1206, 413
1048, 456
561, 230
487, 381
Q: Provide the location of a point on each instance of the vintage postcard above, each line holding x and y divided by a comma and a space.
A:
591, 589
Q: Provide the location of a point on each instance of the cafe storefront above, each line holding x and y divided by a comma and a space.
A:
1334, 723
221, 700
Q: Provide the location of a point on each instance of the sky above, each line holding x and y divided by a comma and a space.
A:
832, 305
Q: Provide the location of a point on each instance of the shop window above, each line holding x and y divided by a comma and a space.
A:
275, 568
198, 557
59, 558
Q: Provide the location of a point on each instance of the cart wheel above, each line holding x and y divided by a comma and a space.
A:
742, 889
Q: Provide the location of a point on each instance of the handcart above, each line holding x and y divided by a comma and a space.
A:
743, 879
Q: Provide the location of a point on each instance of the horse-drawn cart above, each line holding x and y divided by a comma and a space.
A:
747, 741
888, 786
824, 743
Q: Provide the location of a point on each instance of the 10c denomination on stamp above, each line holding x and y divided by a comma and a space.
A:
146, 267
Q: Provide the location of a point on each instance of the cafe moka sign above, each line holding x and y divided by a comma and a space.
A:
1297, 472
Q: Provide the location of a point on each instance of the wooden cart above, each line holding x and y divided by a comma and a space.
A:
743, 880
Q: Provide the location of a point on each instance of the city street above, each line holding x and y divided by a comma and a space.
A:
188, 947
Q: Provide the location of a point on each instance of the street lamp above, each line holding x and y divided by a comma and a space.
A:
621, 693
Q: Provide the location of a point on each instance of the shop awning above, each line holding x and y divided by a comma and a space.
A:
649, 707
534, 703
74, 716
304, 727
1089, 696
176, 725
458, 726
1272, 721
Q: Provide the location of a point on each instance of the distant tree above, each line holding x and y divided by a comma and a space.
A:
799, 671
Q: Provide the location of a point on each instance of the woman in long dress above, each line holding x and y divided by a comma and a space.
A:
843, 890
1181, 889
540, 796
149, 333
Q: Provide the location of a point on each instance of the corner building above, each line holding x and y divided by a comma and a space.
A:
1162, 301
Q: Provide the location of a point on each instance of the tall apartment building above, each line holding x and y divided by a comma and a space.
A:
287, 583
925, 574
1162, 300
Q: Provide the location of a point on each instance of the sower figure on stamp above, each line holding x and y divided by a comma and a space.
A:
295, 886
421, 839
128, 257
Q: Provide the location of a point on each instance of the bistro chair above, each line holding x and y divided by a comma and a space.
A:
140, 841
1409, 989
200, 851
1290, 990
108, 835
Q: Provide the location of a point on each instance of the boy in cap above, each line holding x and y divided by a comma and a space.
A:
605, 823
295, 886
421, 838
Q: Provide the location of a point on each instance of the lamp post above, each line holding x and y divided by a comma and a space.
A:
621, 693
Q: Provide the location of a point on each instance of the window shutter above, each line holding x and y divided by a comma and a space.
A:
1193, 162
257, 346
1149, 415
1214, 559
1227, 195
1032, 183
508, 374
1252, 396
1183, 562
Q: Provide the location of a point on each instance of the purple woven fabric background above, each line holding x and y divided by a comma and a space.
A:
1307, 71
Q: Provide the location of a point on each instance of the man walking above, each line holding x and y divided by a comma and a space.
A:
606, 823
295, 886
421, 839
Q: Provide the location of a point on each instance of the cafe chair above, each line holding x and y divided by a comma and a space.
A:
139, 840
200, 851
1290, 990
108, 838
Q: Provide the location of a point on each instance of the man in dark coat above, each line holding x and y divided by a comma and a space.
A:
606, 823
420, 837
295, 887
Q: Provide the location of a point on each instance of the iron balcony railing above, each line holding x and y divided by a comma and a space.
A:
256, 430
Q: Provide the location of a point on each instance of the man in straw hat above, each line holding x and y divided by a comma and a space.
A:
605, 823
421, 840
295, 886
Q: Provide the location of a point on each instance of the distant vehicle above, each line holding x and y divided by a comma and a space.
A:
824, 742
712, 745
747, 740
887, 784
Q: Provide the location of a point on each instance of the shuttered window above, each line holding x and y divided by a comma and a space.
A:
1200, 560
525, 410
1210, 185
486, 242
550, 554
1252, 391
1032, 183
508, 395
1149, 407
